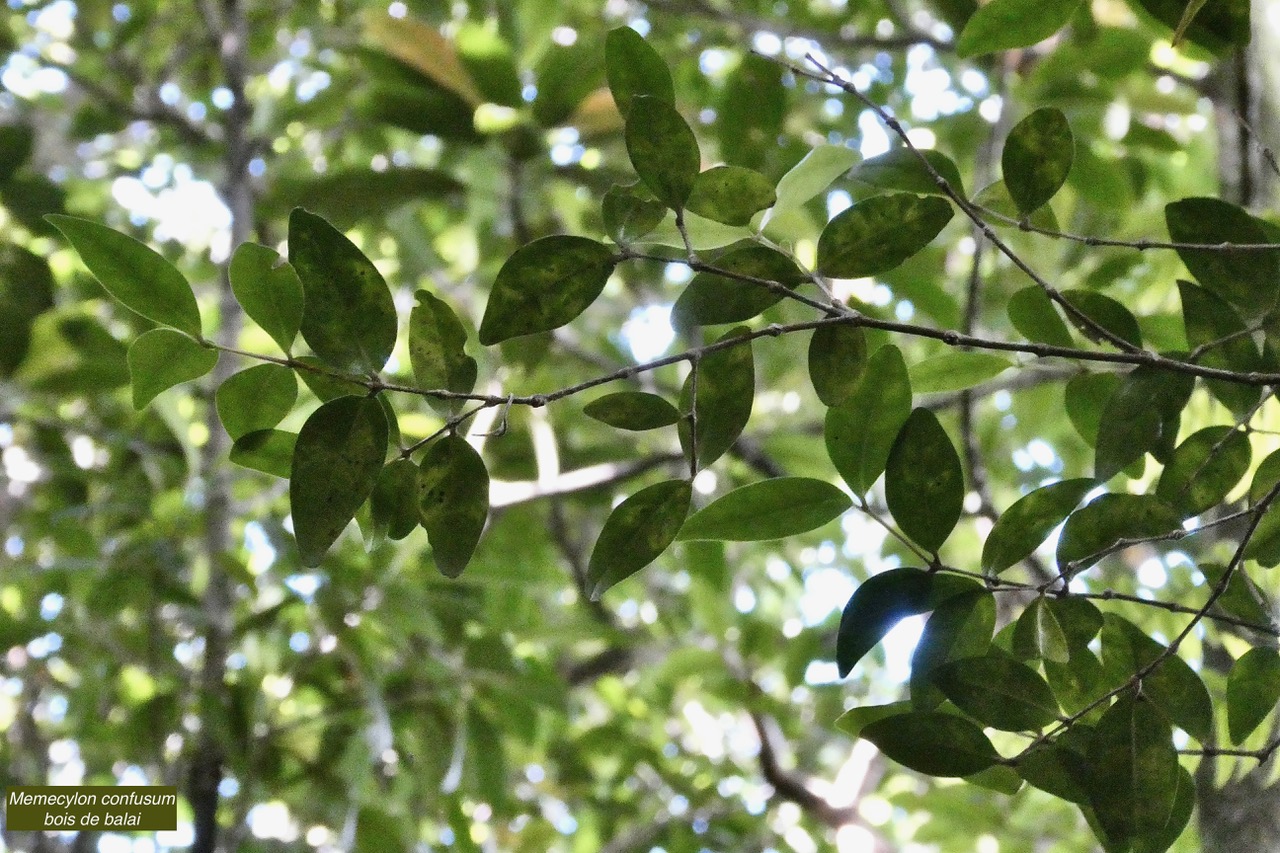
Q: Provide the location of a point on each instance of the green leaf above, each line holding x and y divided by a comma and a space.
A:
630, 213
1085, 398
544, 285
663, 150
1220, 27
1242, 599
854, 720
1038, 635
1253, 689
999, 692
491, 62
1035, 317
999, 778
269, 451
1264, 545
1133, 773
1037, 157
837, 362
711, 299
16, 143
1105, 312
933, 743
960, 627
1080, 619
769, 509
348, 317
1173, 686
1006, 24
924, 483
1023, 526
1188, 15
437, 351
393, 504
726, 394
632, 410
636, 532
346, 195
956, 371
1214, 325
324, 382
879, 603
1141, 416
336, 462
1106, 520
813, 174
634, 68
269, 290
900, 169
453, 502
134, 273
879, 233
162, 358
1204, 469
996, 198
1057, 770
860, 431
255, 399
731, 194
26, 291
1247, 280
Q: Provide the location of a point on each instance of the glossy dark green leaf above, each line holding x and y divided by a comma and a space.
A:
1141, 416
711, 298
726, 395
1034, 316
269, 290
1057, 770
933, 743
1037, 635
1023, 526
837, 362
632, 410
1133, 772
256, 398
769, 509
959, 628
1106, 520
854, 720
900, 169
879, 233
813, 174
1037, 157
1247, 280
336, 462
956, 371
1006, 24
437, 350
544, 285
1105, 312
162, 358
1253, 689
636, 532
924, 483
1219, 27
1173, 686
348, 318
269, 451
663, 150
860, 431
998, 691
1204, 469
731, 194
394, 502
133, 273
453, 502
1085, 398
630, 212
634, 68
879, 603
1079, 683
1214, 325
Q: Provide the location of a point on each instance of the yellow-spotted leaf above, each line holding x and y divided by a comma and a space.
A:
636, 532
